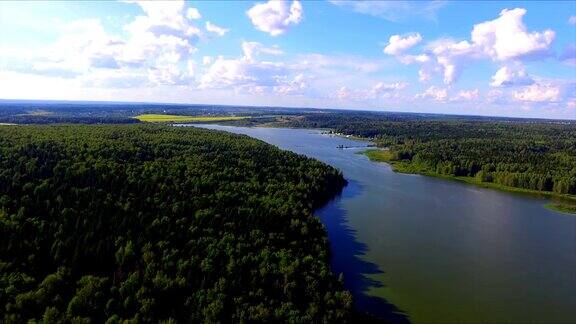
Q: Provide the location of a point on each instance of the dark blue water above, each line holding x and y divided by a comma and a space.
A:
437, 250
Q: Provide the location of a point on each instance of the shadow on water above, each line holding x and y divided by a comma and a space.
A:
347, 254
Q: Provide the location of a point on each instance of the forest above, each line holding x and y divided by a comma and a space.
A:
93, 112
537, 155
151, 224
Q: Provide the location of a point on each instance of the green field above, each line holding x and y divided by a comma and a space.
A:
159, 118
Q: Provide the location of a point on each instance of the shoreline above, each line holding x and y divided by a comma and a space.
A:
562, 203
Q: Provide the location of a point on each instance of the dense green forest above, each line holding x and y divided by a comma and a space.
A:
537, 155
79, 112
152, 223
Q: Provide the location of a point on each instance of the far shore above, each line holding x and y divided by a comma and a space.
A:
560, 202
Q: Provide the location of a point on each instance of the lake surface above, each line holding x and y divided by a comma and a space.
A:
438, 250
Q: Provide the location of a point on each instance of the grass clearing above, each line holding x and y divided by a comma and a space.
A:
378, 155
160, 118
562, 207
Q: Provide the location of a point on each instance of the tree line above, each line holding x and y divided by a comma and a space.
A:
537, 155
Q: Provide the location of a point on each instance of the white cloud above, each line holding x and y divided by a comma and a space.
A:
410, 59
156, 45
467, 95
275, 17
538, 93
191, 67
193, 13
398, 44
495, 96
438, 94
511, 76
251, 75
384, 90
444, 56
344, 63
343, 93
216, 29
168, 74
451, 57
206, 60
504, 39
572, 20
425, 74
163, 18
381, 87
160, 40
379, 90
253, 49
507, 37
291, 86
84, 45
393, 10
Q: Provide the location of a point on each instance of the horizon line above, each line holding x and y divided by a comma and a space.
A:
280, 107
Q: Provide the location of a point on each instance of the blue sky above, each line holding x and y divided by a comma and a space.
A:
483, 58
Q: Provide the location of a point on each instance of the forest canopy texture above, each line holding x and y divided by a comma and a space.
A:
158, 223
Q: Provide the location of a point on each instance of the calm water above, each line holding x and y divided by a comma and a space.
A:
437, 250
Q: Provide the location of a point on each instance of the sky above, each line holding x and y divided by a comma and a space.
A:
495, 58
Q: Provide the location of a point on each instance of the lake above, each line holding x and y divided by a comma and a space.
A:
431, 250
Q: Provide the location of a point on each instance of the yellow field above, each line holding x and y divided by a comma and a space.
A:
159, 118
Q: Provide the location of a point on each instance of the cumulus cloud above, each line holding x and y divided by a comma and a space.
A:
191, 67
344, 63
289, 86
438, 94
381, 87
410, 59
393, 10
398, 44
163, 18
385, 90
275, 16
165, 24
253, 49
168, 74
495, 96
507, 37
378, 90
206, 60
511, 76
155, 48
249, 74
538, 93
84, 45
216, 29
451, 56
504, 39
467, 95
343, 93
193, 13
